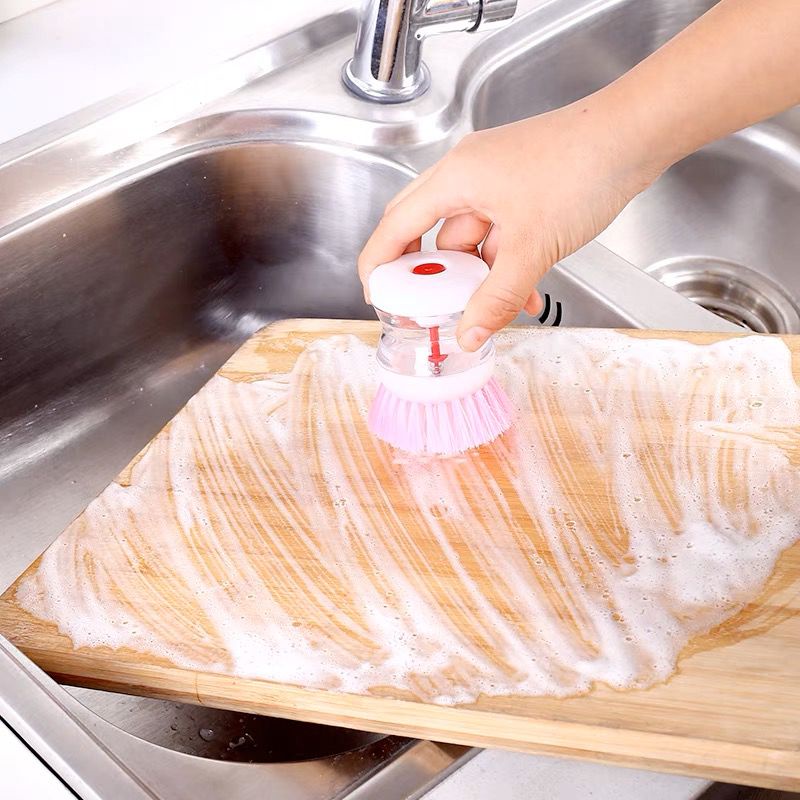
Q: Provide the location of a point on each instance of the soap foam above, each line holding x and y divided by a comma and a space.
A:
265, 534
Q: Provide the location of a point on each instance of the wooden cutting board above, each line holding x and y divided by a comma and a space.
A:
614, 579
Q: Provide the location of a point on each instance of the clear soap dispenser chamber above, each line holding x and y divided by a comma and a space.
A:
419, 299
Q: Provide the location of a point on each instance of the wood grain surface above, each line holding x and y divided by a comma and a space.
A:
237, 567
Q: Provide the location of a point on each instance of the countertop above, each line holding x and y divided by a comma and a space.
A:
74, 54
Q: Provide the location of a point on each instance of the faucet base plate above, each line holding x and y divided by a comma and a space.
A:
381, 92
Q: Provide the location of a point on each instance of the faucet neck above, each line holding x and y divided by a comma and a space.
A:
387, 64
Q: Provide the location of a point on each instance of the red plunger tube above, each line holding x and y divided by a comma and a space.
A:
435, 358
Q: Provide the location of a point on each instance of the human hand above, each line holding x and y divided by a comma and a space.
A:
522, 197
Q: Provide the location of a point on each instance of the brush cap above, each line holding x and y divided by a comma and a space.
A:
427, 284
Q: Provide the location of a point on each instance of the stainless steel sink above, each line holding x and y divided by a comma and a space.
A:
137, 251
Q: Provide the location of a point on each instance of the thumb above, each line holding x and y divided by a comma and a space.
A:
499, 298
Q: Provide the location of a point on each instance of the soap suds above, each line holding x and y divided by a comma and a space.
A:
642, 498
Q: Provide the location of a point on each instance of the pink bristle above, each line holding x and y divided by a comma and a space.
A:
444, 428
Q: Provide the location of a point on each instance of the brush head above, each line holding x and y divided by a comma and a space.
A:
442, 428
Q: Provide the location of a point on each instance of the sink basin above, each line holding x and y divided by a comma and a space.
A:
133, 297
720, 226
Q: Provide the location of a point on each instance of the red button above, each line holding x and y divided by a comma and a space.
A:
429, 269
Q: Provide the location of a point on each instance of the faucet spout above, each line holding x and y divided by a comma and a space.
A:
387, 64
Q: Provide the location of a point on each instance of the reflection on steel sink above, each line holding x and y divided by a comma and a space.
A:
131, 268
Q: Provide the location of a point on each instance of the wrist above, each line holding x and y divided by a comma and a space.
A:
630, 136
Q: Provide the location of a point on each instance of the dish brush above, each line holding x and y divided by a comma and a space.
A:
434, 398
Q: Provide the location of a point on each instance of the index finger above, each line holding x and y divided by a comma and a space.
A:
405, 222
411, 186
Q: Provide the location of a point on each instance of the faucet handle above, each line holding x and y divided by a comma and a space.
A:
495, 13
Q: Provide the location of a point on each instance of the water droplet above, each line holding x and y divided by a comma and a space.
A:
206, 734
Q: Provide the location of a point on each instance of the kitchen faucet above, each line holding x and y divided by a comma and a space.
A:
387, 65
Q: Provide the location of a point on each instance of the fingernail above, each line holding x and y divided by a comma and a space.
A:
474, 338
